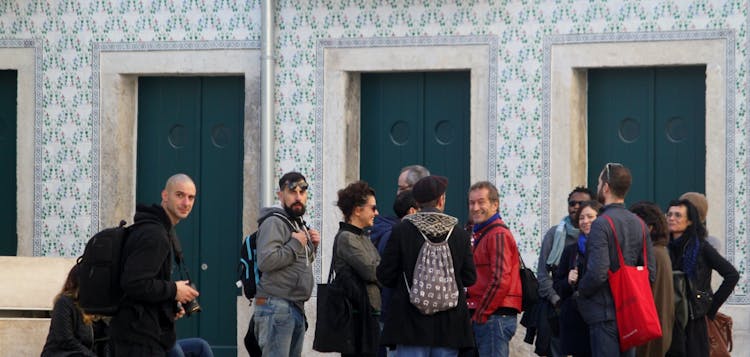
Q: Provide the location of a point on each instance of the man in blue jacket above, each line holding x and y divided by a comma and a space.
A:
595, 301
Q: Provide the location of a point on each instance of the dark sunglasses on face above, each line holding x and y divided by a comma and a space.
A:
572, 203
293, 185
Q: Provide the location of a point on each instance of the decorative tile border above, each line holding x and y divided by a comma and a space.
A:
727, 35
97, 49
38, 137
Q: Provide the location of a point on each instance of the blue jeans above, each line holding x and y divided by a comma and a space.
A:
492, 337
425, 351
191, 347
279, 328
605, 341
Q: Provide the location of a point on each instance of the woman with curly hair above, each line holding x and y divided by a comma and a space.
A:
354, 255
663, 287
70, 331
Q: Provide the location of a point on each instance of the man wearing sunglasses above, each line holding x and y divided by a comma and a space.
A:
286, 250
554, 242
595, 301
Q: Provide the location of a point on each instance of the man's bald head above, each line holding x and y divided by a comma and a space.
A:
177, 178
178, 197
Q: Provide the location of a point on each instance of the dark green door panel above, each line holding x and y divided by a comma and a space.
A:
446, 129
621, 125
8, 94
390, 105
680, 132
194, 125
653, 121
221, 208
416, 118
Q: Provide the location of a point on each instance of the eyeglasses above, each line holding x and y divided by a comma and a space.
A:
373, 207
677, 215
572, 203
294, 185
609, 166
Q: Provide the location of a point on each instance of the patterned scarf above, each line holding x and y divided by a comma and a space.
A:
564, 228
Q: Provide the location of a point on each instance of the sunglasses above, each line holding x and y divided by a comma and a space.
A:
302, 185
572, 203
373, 207
608, 168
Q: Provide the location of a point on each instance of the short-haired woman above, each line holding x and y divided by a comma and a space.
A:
356, 256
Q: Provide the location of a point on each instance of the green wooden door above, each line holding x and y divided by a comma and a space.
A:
194, 125
653, 121
8, 93
416, 118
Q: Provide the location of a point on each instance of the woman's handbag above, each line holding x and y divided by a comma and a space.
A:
635, 311
720, 335
334, 326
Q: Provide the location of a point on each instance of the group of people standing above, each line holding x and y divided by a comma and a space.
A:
576, 256
577, 315
381, 253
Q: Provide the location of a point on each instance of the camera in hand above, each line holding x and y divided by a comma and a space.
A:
192, 305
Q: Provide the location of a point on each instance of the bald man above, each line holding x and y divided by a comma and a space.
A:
144, 325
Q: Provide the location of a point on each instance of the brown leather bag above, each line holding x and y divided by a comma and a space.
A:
720, 335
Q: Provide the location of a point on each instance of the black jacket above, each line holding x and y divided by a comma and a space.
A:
68, 334
146, 316
404, 324
708, 260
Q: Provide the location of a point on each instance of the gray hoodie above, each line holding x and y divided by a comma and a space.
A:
285, 263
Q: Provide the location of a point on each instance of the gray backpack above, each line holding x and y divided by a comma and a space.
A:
433, 288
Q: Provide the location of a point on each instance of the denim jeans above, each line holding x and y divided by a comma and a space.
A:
425, 351
605, 341
279, 328
493, 336
191, 347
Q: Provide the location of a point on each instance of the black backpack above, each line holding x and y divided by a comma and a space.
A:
99, 268
247, 269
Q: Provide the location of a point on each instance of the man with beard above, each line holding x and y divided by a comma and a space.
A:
144, 324
286, 251
595, 297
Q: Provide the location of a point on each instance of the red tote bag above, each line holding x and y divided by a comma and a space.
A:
635, 311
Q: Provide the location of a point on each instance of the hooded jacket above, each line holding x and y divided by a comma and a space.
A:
146, 316
286, 264
404, 324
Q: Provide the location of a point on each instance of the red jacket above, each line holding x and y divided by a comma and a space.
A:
498, 282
